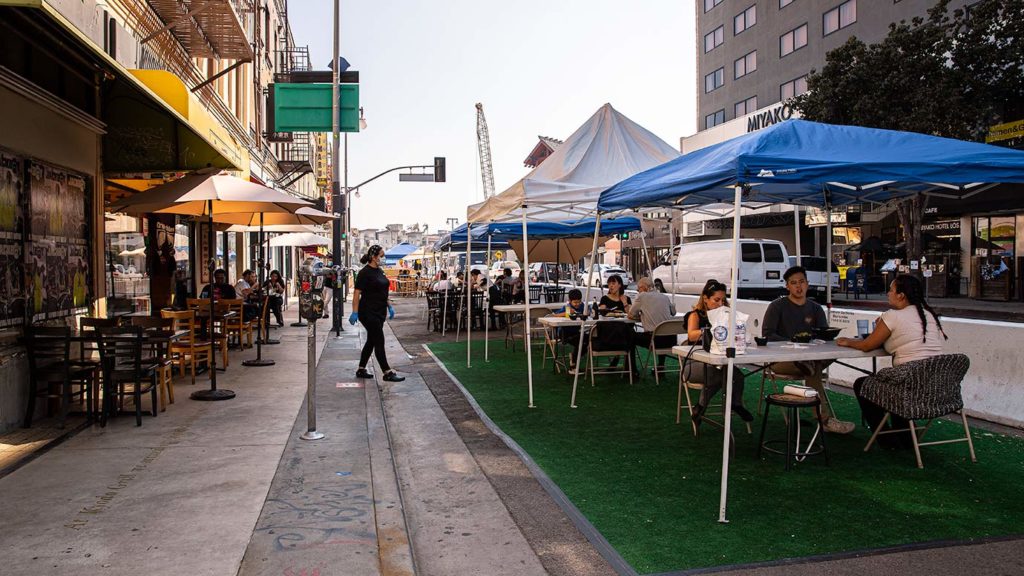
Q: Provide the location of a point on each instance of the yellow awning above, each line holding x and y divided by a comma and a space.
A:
150, 130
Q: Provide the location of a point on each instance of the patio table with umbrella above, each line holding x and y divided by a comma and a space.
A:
214, 195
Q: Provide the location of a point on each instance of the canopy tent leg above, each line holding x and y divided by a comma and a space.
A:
447, 290
672, 256
647, 256
731, 352
487, 307
828, 257
526, 316
796, 234
590, 280
469, 296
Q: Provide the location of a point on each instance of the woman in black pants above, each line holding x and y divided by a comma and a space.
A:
369, 307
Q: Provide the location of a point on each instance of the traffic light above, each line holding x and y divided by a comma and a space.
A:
439, 169
344, 235
624, 236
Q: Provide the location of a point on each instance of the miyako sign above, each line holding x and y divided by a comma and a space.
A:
778, 113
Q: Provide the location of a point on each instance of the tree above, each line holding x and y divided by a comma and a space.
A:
951, 76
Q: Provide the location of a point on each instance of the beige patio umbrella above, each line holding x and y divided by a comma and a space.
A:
213, 194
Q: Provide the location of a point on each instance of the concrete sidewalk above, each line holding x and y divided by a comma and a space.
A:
180, 495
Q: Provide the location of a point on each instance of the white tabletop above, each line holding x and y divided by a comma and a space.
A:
520, 308
779, 352
557, 321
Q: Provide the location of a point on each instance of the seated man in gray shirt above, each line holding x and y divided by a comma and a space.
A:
793, 314
651, 308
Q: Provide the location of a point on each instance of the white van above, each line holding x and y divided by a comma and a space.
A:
762, 263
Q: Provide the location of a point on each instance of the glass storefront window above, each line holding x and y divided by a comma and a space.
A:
125, 265
994, 236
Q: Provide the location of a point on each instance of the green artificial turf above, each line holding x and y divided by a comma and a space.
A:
652, 488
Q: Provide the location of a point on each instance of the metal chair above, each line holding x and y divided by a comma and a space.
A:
535, 291
554, 294
671, 327
608, 352
920, 390
49, 360
156, 354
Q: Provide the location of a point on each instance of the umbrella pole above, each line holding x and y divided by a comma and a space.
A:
213, 393
731, 353
260, 326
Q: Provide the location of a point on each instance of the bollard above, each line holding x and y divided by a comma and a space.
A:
311, 433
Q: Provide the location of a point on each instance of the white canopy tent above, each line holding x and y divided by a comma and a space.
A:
606, 149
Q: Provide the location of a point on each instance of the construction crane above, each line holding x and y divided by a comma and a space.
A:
483, 143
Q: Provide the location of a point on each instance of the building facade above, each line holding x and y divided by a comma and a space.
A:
100, 99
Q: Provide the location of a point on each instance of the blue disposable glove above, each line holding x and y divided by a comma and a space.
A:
353, 318
391, 311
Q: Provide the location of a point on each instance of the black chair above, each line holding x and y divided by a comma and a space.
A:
554, 294
434, 304
49, 361
479, 313
535, 294
124, 372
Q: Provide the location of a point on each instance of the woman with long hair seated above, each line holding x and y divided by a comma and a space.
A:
713, 377
910, 330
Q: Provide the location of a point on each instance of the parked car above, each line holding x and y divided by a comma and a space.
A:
601, 274
762, 263
498, 268
815, 266
547, 272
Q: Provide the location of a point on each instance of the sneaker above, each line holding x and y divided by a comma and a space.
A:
836, 426
393, 376
364, 373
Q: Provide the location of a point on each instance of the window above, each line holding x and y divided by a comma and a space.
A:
793, 40
994, 236
714, 119
714, 80
709, 4
744, 20
839, 17
744, 107
745, 65
793, 88
714, 39
750, 252
784, 3
773, 253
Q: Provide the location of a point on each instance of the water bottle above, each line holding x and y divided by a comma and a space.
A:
593, 309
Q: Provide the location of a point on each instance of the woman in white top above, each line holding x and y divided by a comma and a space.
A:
910, 331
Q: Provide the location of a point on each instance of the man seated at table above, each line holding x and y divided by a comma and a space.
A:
221, 289
571, 334
651, 307
244, 289
793, 314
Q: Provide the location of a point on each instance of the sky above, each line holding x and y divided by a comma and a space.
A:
538, 68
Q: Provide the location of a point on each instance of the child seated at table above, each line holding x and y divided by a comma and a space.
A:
571, 334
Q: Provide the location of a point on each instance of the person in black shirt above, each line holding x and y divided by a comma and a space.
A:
370, 307
221, 289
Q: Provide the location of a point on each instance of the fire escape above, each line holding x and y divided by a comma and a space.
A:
297, 150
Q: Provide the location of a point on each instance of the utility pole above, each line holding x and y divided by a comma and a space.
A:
339, 200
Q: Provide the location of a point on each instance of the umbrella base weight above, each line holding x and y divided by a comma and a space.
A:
270, 342
258, 362
298, 324
211, 395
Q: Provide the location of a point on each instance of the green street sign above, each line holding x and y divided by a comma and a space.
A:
307, 108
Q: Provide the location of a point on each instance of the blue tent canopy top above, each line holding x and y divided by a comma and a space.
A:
506, 231
398, 251
804, 162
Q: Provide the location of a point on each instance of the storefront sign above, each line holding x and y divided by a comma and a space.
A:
1006, 131
942, 228
769, 117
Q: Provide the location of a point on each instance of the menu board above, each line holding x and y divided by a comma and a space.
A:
57, 264
12, 229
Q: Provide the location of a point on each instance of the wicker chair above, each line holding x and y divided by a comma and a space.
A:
920, 390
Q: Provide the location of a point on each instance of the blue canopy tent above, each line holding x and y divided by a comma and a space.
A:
397, 252
803, 162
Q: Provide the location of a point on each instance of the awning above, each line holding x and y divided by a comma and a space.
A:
148, 129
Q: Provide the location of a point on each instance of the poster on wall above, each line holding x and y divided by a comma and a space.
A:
12, 227
58, 260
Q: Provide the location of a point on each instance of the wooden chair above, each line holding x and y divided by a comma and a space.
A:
190, 350
238, 326
156, 355
124, 372
920, 390
49, 359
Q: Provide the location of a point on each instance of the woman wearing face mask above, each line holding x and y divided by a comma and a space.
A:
713, 377
370, 307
